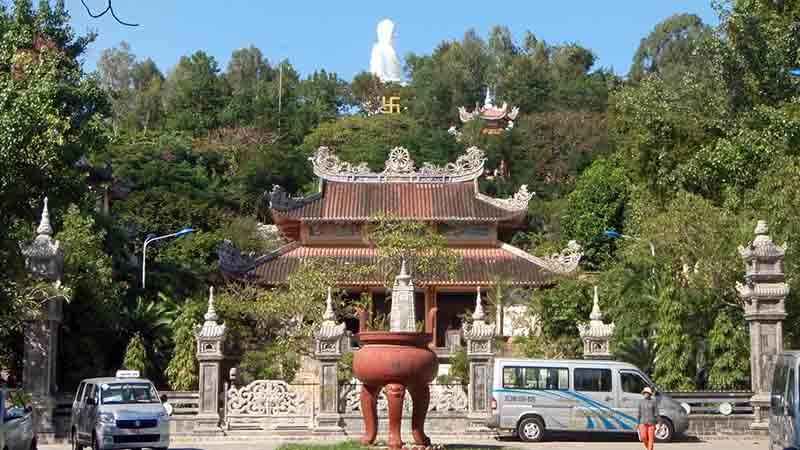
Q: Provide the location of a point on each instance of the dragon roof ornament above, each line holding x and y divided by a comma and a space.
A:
566, 261
399, 168
517, 202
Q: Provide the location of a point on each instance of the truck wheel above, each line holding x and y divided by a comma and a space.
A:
664, 430
531, 429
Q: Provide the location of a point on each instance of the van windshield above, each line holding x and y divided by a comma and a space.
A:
124, 393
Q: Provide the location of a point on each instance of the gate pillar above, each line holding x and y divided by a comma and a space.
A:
328, 350
480, 354
210, 353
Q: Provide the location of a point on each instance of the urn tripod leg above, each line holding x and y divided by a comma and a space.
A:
395, 393
421, 397
369, 408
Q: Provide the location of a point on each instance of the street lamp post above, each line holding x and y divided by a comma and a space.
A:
617, 235
150, 239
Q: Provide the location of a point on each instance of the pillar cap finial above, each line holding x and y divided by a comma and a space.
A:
211, 313
44, 223
328, 315
478, 314
596, 313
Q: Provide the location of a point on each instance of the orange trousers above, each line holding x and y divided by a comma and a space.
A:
647, 434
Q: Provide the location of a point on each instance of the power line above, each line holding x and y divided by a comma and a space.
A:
109, 9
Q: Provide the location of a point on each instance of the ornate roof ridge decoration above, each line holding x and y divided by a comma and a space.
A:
567, 260
525, 255
399, 168
517, 202
232, 260
280, 200
762, 247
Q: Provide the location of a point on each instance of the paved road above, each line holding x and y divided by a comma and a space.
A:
557, 444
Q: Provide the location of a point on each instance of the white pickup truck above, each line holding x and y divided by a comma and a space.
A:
16, 427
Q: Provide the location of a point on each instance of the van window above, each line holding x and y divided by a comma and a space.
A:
593, 380
90, 391
79, 394
779, 387
790, 389
632, 382
554, 378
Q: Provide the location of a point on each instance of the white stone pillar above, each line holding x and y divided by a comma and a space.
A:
763, 293
480, 354
210, 353
44, 260
328, 350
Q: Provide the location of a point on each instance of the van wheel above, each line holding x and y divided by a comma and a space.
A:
95, 443
531, 429
664, 430
75, 444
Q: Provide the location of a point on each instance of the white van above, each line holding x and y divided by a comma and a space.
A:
533, 396
119, 413
784, 416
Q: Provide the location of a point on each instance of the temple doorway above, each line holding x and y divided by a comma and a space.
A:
452, 306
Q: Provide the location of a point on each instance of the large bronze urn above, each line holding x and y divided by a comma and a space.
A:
398, 360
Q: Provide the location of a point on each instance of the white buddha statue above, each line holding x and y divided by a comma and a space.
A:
384, 63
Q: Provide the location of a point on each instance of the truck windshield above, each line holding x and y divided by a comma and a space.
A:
122, 393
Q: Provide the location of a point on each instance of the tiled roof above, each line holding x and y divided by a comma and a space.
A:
480, 266
414, 201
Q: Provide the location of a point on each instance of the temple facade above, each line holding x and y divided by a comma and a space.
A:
331, 224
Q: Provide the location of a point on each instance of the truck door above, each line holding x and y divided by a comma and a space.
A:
595, 401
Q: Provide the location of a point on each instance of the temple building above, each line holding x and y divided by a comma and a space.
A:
331, 224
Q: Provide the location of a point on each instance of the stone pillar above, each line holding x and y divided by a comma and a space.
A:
596, 335
480, 354
763, 293
401, 317
210, 353
44, 260
328, 350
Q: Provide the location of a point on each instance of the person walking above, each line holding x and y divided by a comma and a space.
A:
647, 418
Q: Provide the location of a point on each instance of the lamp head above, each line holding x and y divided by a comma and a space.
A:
613, 234
184, 231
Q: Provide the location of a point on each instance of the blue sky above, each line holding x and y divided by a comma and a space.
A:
338, 35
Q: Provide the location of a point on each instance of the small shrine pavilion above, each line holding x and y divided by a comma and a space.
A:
496, 119
330, 224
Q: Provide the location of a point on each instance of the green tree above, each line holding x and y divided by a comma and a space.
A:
194, 93
182, 370
669, 48
597, 204
115, 67
728, 348
136, 356
674, 351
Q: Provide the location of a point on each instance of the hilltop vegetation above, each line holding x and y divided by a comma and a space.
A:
686, 151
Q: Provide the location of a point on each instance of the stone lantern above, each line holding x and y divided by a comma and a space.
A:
210, 353
328, 350
596, 335
480, 353
763, 293
44, 260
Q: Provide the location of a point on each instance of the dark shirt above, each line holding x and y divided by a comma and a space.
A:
648, 411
